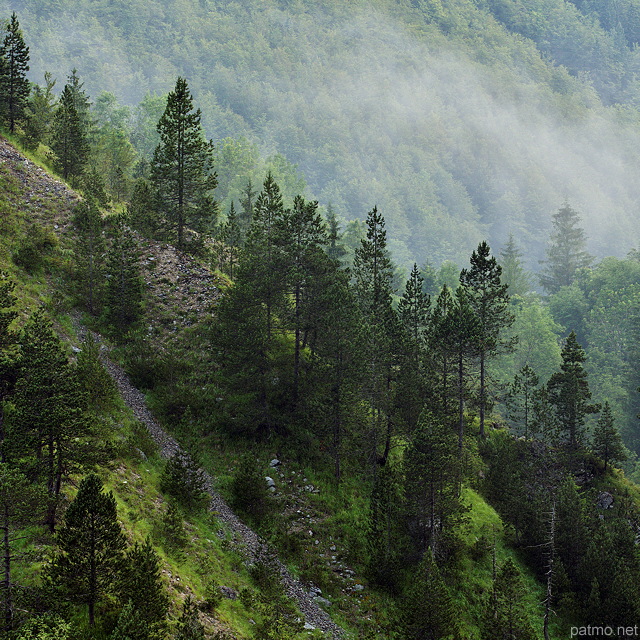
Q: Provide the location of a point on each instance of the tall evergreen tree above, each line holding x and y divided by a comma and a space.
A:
231, 235
569, 394
335, 248
69, 137
89, 253
520, 400
607, 442
566, 253
489, 300
8, 344
41, 108
91, 546
513, 273
124, 284
14, 86
182, 168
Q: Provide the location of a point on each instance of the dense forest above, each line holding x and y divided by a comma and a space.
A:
449, 437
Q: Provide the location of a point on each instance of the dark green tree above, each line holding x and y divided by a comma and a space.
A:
607, 442
520, 399
41, 108
566, 253
505, 617
513, 273
182, 479
189, 625
182, 167
89, 253
569, 395
230, 235
14, 65
335, 248
123, 297
91, 546
99, 388
69, 137
247, 202
428, 611
140, 586
8, 346
143, 209
489, 300
130, 625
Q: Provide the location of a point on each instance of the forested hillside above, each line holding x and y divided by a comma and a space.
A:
461, 120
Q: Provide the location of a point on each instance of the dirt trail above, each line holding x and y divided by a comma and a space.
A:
255, 548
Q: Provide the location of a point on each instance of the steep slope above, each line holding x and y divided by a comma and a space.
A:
456, 119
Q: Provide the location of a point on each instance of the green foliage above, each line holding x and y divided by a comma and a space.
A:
189, 625
130, 625
249, 493
607, 443
98, 386
91, 545
182, 166
45, 628
35, 248
14, 86
182, 480
172, 527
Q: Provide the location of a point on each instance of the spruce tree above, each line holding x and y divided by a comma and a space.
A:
520, 400
140, 586
89, 253
513, 273
566, 253
142, 209
489, 300
182, 167
569, 395
231, 236
189, 625
69, 137
41, 108
130, 625
607, 443
8, 344
505, 618
91, 546
123, 297
14, 86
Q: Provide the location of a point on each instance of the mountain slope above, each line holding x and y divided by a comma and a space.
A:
445, 116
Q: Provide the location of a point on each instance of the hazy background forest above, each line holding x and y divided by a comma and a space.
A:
462, 120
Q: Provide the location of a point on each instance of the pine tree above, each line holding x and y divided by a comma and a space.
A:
182, 168
91, 546
247, 203
69, 137
520, 400
89, 253
428, 610
335, 248
490, 302
513, 273
607, 443
98, 386
231, 235
124, 285
182, 479
142, 209
569, 394
130, 625
14, 86
566, 253
189, 625
140, 586
49, 411
41, 108
505, 618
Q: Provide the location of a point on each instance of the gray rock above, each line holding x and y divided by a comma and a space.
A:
270, 482
323, 602
308, 627
228, 592
605, 500
275, 463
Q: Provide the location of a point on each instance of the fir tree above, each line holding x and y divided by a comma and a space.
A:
124, 285
569, 394
41, 108
141, 588
189, 625
182, 168
89, 253
489, 300
8, 344
566, 253
142, 209
607, 443
513, 273
91, 546
335, 248
247, 203
130, 625
69, 137
231, 235
505, 618
182, 479
520, 400
14, 86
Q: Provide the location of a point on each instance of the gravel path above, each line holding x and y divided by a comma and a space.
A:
256, 548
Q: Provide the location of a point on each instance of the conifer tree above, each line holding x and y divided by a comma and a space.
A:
89, 253
69, 137
49, 416
520, 400
428, 610
513, 273
607, 442
130, 625
566, 253
189, 625
98, 386
41, 108
231, 235
142, 209
91, 546
14, 86
505, 618
489, 300
140, 586
335, 248
247, 202
373, 274
124, 285
182, 167
569, 394
182, 479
